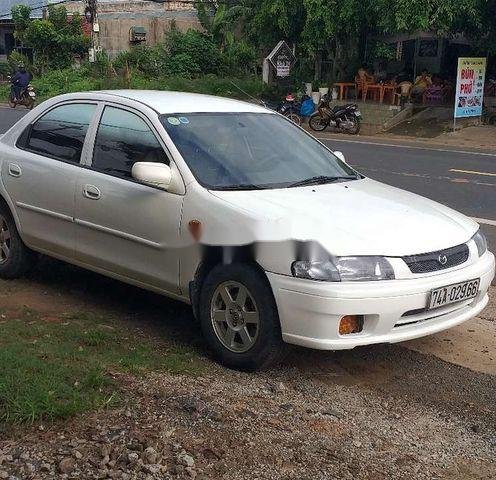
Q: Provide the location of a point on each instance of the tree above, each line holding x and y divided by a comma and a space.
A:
221, 20
338, 29
439, 16
55, 40
481, 28
21, 16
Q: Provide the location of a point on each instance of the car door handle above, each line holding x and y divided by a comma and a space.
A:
14, 170
91, 192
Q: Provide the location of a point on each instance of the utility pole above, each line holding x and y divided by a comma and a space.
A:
91, 14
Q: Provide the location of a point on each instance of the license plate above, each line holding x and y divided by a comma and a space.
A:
458, 292
32, 94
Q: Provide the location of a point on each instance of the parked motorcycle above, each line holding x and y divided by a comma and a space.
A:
289, 107
342, 118
27, 98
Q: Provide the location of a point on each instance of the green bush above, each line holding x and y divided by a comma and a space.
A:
55, 41
148, 60
196, 47
188, 54
4, 70
182, 64
56, 82
241, 57
88, 78
16, 58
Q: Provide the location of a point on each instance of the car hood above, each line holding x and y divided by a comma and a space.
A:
361, 217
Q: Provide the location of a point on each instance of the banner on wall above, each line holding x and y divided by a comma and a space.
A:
470, 87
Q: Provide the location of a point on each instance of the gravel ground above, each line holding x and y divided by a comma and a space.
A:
384, 412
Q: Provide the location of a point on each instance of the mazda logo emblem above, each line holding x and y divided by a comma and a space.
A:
442, 259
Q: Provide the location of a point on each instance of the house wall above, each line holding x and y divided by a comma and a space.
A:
6, 32
115, 27
116, 18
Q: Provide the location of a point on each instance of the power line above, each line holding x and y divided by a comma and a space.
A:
40, 6
184, 2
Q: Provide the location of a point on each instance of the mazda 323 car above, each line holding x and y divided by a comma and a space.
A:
270, 236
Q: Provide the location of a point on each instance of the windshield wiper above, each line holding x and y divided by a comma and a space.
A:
240, 186
321, 179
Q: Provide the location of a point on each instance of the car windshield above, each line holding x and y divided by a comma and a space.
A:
230, 151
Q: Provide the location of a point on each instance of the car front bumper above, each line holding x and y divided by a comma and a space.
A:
310, 311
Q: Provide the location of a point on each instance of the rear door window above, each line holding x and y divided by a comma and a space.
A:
60, 133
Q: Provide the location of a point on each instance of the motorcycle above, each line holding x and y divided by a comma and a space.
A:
27, 98
289, 107
342, 118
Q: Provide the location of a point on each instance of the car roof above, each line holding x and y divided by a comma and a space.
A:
181, 102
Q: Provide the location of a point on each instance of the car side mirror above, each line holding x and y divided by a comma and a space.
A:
154, 174
341, 156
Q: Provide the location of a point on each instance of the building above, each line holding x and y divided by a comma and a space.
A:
122, 23
426, 50
7, 39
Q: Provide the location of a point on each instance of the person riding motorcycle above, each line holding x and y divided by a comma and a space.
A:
20, 81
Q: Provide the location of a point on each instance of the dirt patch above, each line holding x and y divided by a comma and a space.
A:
383, 412
281, 424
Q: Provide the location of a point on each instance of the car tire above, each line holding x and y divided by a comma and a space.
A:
256, 342
15, 258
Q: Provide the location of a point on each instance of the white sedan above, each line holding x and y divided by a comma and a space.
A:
270, 236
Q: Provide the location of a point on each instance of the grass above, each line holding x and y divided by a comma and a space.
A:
55, 369
57, 82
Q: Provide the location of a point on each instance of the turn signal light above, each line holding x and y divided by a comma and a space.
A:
350, 324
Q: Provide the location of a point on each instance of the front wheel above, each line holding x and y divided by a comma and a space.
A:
317, 123
355, 126
12, 104
239, 318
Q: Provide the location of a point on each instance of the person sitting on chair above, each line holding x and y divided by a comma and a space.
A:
421, 83
362, 78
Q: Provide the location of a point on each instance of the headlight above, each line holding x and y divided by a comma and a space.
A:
481, 242
344, 269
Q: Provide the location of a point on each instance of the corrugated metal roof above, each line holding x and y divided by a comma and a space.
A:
36, 5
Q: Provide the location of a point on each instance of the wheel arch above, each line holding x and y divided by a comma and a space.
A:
213, 256
7, 202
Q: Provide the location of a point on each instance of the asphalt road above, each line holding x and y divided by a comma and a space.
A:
8, 116
464, 181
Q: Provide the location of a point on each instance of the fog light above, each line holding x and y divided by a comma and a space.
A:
350, 324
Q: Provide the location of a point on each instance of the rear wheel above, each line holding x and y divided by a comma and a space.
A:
15, 258
355, 129
317, 123
12, 104
239, 317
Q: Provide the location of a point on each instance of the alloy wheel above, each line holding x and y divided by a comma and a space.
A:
235, 317
5, 240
